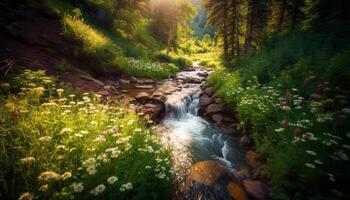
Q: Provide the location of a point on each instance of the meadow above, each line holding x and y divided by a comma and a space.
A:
295, 107
57, 144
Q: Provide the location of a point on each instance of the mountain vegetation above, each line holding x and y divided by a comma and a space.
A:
71, 129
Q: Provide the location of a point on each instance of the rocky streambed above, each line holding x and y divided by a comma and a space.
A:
211, 159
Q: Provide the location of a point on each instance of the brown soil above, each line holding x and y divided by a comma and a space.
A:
31, 38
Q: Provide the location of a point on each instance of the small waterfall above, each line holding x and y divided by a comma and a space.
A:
178, 110
205, 141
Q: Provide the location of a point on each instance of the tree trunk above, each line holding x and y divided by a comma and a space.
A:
250, 24
281, 18
237, 32
169, 37
295, 14
225, 31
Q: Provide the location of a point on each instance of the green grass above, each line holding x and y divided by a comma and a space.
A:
182, 62
93, 42
102, 48
304, 137
58, 145
154, 70
292, 98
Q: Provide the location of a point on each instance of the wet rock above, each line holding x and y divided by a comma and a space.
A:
217, 100
190, 69
124, 82
236, 191
142, 97
243, 173
233, 126
256, 189
144, 87
155, 111
252, 159
245, 141
205, 100
206, 172
203, 74
192, 80
260, 172
217, 118
108, 88
125, 91
133, 79
209, 91
103, 93
158, 97
214, 108
229, 120
201, 111
148, 81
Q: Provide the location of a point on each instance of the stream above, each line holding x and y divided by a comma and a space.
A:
192, 138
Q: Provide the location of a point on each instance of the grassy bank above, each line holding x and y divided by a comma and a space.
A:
60, 145
111, 48
292, 99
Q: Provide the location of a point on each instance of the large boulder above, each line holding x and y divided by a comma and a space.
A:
209, 180
217, 118
143, 97
158, 97
236, 191
245, 141
155, 111
203, 74
206, 172
192, 80
256, 189
209, 91
103, 93
205, 100
252, 159
215, 108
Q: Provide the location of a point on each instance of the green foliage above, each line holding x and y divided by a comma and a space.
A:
304, 138
295, 57
180, 61
338, 72
58, 7
170, 21
102, 48
93, 42
141, 68
57, 145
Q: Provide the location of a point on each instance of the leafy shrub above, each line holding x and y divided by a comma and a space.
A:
338, 71
93, 42
180, 61
149, 69
305, 139
64, 146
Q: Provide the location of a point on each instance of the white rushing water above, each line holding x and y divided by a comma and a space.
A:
192, 138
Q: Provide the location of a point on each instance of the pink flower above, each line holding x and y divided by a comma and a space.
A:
284, 123
297, 132
286, 96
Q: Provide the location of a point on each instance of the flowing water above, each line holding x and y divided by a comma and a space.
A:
193, 138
